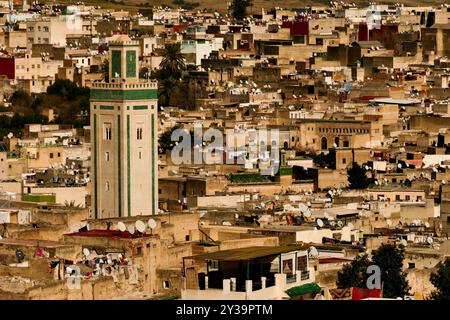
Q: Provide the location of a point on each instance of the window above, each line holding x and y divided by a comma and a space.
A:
107, 156
411, 265
397, 197
140, 155
139, 133
51, 155
139, 251
166, 284
302, 263
407, 198
107, 131
107, 186
59, 154
344, 161
159, 191
213, 265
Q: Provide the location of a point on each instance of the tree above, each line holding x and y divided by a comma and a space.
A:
71, 102
165, 139
357, 177
21, 102
390, 260
441, 280
354, 274
166, 90
173, 62
239, 8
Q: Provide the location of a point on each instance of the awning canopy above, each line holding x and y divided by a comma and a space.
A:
309, 288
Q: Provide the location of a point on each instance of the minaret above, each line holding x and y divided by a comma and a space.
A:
124, 122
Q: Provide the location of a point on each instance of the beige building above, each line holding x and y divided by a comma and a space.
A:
321, 135
124, 123
41, 157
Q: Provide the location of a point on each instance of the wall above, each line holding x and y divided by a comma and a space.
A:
65, 194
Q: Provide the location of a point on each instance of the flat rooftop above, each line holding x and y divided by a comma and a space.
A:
109, 234
33, 243
244, 254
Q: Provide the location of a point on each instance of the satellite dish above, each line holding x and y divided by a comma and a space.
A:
131, 229
326, 215
122, 226
152, 224
389, 222
399, 165
427, 225
332, 224
313, 253
86, 252
340, 224
319, 223
303, 208
307, 213
140, 226
236, 215
404, 243
430, 240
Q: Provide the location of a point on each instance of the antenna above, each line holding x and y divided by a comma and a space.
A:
140, 226
86, 252
122, 227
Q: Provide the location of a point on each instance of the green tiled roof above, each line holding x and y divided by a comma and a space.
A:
303, 289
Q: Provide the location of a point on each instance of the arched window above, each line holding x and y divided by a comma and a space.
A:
324, 144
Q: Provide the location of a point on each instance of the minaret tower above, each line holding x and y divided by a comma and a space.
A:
124, 122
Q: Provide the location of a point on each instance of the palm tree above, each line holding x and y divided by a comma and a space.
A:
173, 62
166, 89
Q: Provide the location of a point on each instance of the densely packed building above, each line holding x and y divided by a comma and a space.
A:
164, 152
